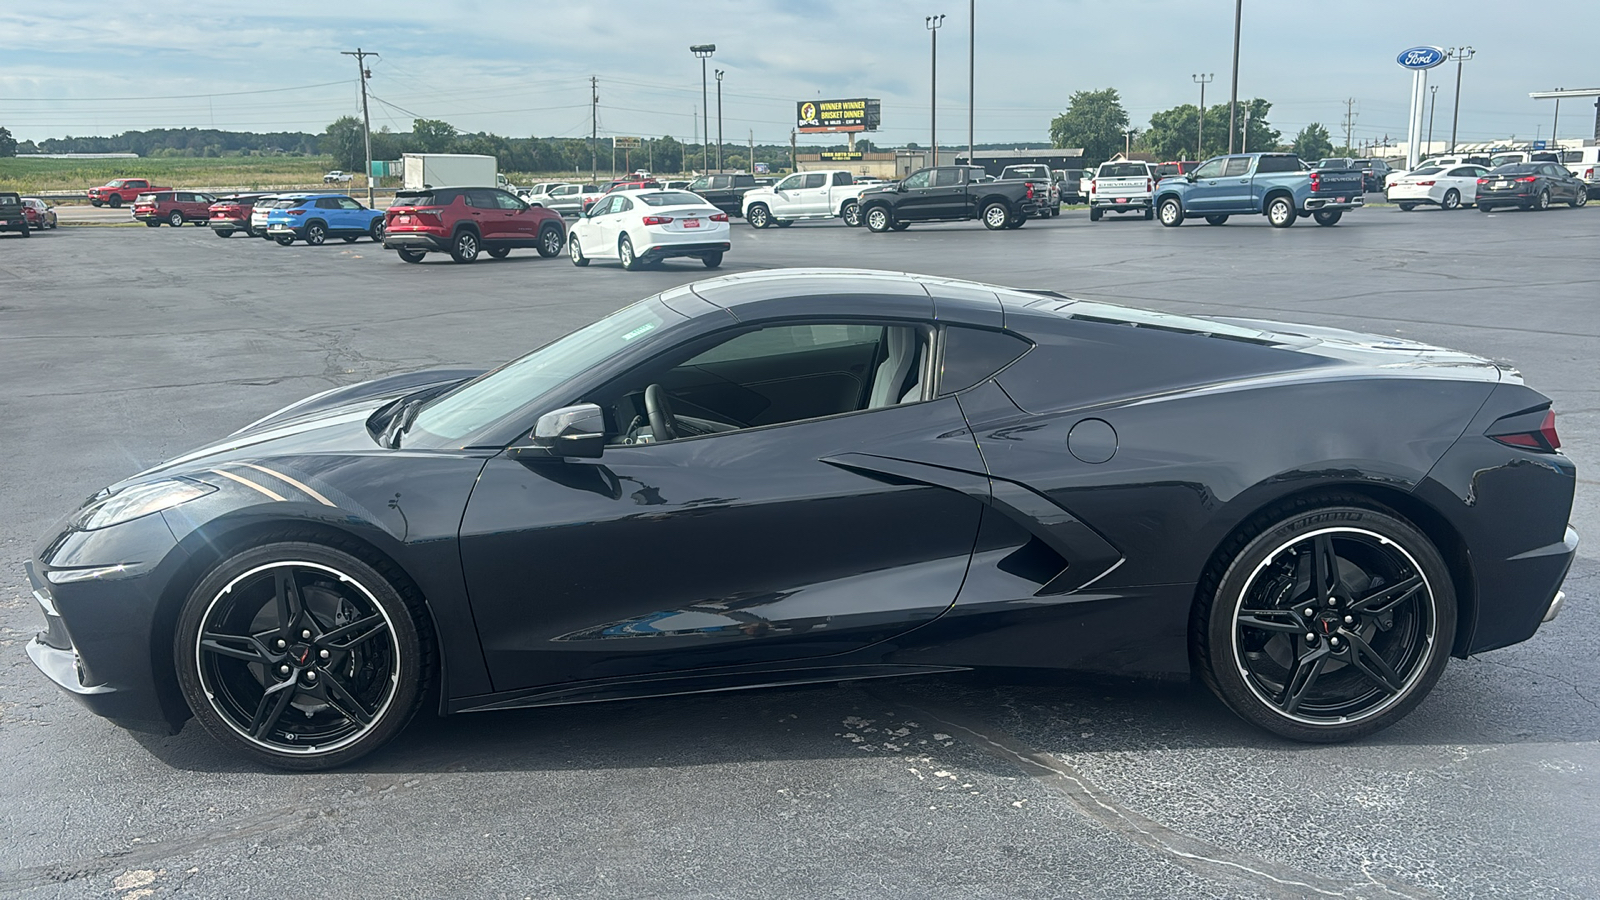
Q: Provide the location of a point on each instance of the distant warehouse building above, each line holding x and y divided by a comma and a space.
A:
993, 161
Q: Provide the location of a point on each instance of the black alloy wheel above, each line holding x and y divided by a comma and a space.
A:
1217, 220
411, 256
575, 253
1328, 216
376, 231
995, 216
758, 216
500, 252
1280, 211
301, 655
115, 201
316, 233
351, 238
1329, 624
1452, 200
851, 214
879, 220
625, 254
284, 240
712, 259
464, 249
550, 240
176, 219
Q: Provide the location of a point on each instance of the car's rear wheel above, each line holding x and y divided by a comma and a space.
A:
1217, 220
500, 252
851, 214
758, 216
625, 253
550, 241
224, 234
879, 220
284, 240
1328, 216
1407, 207
464, 249
1544, 199
1094, 214
1149, 213
351, 238
316, 234
782, 223
995, 216
899, 226
1330, 621
176, 219
411, 256
301, 655
575, 252
1484, 207
1280, 212
712, 260
152, 223
1452, 199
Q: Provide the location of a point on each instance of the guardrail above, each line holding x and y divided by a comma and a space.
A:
59, 198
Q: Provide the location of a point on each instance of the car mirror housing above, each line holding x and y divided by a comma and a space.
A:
571, 432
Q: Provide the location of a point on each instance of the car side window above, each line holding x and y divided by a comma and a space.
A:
348, 203
777, 375
327, 203
1237, 165
1212, 169
972, 355
842, 179
621, 204
601, 207
946, 177
816, 180
919, 180
791, 183
506, 201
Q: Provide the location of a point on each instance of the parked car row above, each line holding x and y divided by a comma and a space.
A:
25, 215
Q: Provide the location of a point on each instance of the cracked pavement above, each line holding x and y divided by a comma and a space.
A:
121, 347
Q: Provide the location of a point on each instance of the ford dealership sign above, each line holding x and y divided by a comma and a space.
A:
1421, 57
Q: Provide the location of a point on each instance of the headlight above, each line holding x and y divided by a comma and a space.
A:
107, 509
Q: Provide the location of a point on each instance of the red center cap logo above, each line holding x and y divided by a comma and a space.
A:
300, 653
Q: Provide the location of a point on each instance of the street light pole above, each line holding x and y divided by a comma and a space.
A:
1200, 137
972, 75
1244, 134
703, 52
1433, 104
933, 24
1461, 54
1233, 98
719, 119
1555, 142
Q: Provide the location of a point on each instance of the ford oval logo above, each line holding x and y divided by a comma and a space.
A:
1421, 57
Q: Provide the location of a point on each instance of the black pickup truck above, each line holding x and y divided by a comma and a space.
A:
12, 218
725, 192
950, 193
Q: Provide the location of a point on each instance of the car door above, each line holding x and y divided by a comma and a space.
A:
1206, 193
915, 197
484, 212
520, 227
602, 227
756, 545
1464, 179
1561, 181
786, 195
1240, 193
353, 217
813, 194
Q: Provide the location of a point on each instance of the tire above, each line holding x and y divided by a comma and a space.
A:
348, 689
759, 216
176, 219
1094, 214
712, 260
1452, 200
351, 238
223, 234
95, 203
1581, 198
284, 240
26, 231
851, 214
115, 202
376, 231
551, 238
500, 252
1280, 212
1017, 222
465, 247
1217, 220
316, 233
783, 223
575, 253
900, 226
625, 255
996, 216
1407, 207
411, 256
1543, 203
1380, 636
1484, 207
152, 223
879, 220
1328, 216
1149, 213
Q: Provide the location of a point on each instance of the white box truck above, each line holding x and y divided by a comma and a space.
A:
420, 170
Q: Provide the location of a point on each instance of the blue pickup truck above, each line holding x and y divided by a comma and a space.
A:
1275, 185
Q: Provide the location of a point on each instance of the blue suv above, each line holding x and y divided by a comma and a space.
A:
314, 218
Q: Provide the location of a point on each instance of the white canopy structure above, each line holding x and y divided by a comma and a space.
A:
1564, 94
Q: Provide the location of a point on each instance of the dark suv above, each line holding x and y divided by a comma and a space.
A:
463, 221
173, 208
12, 218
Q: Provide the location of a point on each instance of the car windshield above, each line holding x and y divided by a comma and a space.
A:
671, 198
499, 393
9, 200
1124, 170
1511, 159
1431, 170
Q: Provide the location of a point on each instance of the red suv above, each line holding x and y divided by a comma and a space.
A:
232, 213
463, 221
173, 208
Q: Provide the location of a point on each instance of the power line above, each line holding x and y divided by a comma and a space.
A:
303, 87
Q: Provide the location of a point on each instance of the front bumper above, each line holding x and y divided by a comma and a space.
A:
414, 240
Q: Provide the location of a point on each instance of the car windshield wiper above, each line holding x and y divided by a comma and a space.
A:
400, 420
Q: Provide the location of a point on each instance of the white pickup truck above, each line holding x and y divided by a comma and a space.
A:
806, 195
1122, 187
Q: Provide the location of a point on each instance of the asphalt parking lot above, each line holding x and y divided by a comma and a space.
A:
120, 347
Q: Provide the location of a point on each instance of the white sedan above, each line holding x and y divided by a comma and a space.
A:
1447, 187
641, 227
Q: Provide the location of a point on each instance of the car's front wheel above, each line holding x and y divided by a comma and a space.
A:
1581, 198
1171, 212
152, 223
575, 252
1326, 621
301, 655
879, 220
550, 240
500, 252
464, 249
758, 216
1407, 207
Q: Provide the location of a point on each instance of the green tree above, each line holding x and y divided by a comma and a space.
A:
1313, 142
8, 144
668, 155
1173, 132
345, 141
1095, 121
433, 135
1261, 136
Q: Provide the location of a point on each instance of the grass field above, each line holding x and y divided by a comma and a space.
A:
28, 176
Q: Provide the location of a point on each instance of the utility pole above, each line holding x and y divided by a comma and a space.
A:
1233, 98
1461, 54
972, 75
752, 151
366, 120
794, 153
933, 24
1200, 137
695, 114
1555, 143
703, 52
1349, 122
720, 73
594, 126
1433, 104
1244, 135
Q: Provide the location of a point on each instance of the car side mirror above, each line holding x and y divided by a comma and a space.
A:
1190, 177
573, 432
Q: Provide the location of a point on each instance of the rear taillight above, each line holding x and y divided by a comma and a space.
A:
1425, 184
1094, 185
1483, 181
719, 217
1530, 178
1316, 181
297, 212
1588, 173
657, 220
1528, 431
1030, 190
1149, 185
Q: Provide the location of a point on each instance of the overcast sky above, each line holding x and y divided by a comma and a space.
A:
521, 68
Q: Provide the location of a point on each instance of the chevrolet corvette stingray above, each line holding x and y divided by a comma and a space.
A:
794, 476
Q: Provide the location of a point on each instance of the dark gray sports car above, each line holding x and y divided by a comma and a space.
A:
801, 476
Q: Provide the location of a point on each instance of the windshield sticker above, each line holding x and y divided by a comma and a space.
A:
642, 329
